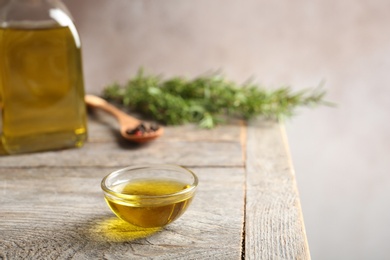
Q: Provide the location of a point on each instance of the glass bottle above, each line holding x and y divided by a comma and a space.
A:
41, 78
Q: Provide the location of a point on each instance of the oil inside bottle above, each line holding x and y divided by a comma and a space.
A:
136, 212
41, 89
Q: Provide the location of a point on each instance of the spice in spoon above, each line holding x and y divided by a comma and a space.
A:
142, 129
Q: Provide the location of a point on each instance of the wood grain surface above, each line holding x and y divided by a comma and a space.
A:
247, 205
274, 227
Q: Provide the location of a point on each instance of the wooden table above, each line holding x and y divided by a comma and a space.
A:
247, 205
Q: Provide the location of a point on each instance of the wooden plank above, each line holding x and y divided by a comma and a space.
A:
110, 154
274, 227
51, 213
186, 145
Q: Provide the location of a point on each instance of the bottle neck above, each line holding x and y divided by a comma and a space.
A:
29, 1
34, 14
32, 5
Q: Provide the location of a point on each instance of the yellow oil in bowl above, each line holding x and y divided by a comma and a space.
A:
150, 196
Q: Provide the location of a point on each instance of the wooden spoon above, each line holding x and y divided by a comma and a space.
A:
130, 128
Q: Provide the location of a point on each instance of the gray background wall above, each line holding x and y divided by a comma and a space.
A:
341, 155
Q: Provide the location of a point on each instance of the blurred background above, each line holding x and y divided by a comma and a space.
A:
341, 155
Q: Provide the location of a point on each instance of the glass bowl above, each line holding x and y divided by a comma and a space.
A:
150, 195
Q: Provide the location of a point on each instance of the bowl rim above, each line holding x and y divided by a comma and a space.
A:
190, 190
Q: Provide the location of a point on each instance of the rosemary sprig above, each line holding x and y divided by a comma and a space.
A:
208, 99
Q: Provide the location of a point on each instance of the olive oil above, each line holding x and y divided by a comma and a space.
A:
41, 89
135, 207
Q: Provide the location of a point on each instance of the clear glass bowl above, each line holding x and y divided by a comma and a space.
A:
150, 195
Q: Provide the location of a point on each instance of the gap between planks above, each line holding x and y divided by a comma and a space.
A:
243, 141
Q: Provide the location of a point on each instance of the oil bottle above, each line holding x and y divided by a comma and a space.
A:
41, 78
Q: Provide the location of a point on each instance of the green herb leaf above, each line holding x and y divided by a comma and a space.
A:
208, 99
